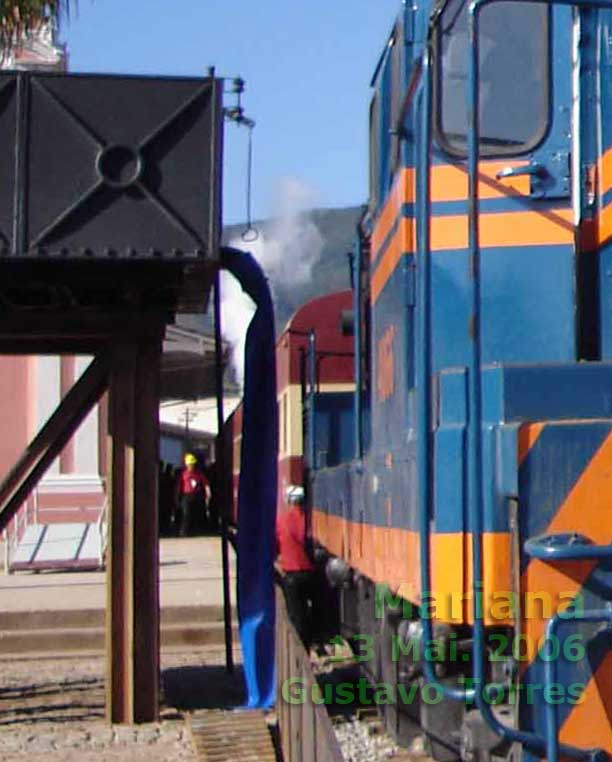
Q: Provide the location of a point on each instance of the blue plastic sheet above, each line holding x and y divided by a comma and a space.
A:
256, 546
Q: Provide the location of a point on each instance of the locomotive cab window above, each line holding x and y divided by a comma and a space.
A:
514, 77
374, 160
384, 113
396, 64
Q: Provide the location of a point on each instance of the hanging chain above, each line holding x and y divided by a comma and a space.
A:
236, 114
250, 233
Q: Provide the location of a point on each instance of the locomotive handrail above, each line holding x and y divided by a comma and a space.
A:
568, 546
423, 371
530, 170
357, 400
550, 673
312, 384
475, 487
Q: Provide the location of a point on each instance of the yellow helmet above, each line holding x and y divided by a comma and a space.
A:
190, 460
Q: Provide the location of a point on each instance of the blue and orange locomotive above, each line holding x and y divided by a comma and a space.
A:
471, 529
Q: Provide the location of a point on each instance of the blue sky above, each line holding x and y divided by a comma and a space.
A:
307, 66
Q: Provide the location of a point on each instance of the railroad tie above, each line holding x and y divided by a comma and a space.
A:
240, 735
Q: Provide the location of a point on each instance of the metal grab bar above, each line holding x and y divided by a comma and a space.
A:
569, 546
531, 170
423, 374
550, 677
312, 384
101, 527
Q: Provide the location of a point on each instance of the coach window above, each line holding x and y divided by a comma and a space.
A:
514, 77
384, 120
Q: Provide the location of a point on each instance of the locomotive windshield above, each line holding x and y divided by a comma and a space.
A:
514, 77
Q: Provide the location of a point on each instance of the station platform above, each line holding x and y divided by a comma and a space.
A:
53, 666
190, 575
60, 612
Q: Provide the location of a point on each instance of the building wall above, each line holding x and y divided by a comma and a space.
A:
30, 390
17, 408
71, 490
32, 387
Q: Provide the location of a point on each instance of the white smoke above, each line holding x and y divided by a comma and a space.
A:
237, 309
287, 252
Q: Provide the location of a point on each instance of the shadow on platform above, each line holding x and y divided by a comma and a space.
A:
203, 687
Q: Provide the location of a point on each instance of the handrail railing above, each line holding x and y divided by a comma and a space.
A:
565, 547
101, 526
569, 546
26, 516
423, 370
311, 390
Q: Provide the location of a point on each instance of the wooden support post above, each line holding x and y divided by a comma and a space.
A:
119, 553
146, 535
132, 621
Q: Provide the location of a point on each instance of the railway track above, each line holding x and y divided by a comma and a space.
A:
362, 737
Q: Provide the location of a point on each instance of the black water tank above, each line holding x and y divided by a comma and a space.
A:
112, 167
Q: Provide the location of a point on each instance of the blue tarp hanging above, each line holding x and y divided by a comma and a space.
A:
256, 547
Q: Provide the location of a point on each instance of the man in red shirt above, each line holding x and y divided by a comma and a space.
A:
300, 577
193, 493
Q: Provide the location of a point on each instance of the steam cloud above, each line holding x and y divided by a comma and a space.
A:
286, 251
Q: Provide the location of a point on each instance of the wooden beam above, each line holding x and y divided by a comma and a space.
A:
146, 534
103, 437
132, 641
73, 332
32, 345
51, 439
120, 547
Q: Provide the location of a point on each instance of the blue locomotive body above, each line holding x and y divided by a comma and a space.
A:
480, 487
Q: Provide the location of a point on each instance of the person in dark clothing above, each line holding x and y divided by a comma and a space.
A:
300, 575
193, 494
166, 498
212, 518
